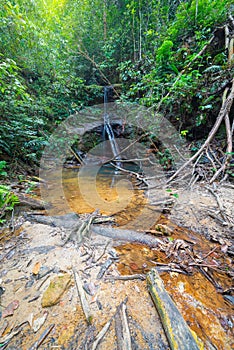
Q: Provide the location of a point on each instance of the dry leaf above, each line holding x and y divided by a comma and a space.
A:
36, 268
39, 322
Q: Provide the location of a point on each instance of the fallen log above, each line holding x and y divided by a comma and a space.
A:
72, 221
176, 329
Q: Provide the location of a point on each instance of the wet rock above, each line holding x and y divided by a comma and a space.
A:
55, 290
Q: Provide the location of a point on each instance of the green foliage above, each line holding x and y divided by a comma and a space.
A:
164, 51
7, 201
40, 84
52, 54
2, 168
165, 159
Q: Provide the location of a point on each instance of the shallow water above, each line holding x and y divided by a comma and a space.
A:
109, 191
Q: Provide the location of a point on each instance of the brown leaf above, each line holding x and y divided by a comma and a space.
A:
36, 268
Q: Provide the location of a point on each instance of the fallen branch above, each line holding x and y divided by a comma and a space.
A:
81, 293
126, 277
95, 261
104, 330
101, 334
80, 160
209, 277
138, 176
45, 334
4, 340
30, 202
104, 268
127, 235
177, 331
221, 209
122, 329
228, 155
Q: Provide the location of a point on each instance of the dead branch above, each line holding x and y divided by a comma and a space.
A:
80, 160
127, 235
30, 202
122, 329
104, 330
221, 209
177, 331
229, 143
38, 343
126, 277
209, 277
101, 334
104, 268
105, 79
210, 252
225, 109
138, 176
81, 293
127, 147
71, 220
95, 261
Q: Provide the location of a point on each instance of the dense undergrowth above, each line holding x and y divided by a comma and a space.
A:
54, 55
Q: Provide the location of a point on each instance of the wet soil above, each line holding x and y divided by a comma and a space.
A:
31, 258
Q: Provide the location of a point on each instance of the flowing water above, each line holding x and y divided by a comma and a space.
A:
107, 129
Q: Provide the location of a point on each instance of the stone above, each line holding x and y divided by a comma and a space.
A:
56, 289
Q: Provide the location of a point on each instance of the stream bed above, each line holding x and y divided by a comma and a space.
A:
197, 273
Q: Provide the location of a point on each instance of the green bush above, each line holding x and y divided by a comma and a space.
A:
7, 201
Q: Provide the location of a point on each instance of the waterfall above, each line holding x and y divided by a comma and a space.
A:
107, 127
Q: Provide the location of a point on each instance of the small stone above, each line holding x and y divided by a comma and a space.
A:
55, 290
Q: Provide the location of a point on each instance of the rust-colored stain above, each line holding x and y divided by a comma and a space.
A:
200, 303
205, 311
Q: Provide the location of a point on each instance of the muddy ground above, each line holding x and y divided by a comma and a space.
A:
40, 305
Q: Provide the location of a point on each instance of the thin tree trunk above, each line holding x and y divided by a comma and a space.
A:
104, 22
140, 31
